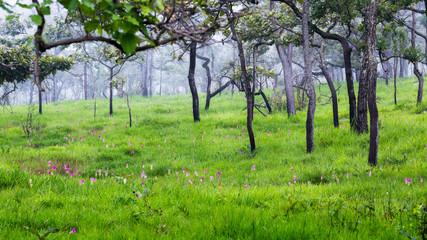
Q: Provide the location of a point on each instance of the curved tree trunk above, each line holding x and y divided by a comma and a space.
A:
192, 81
308, 73
417, 72
330, 85
286, 60
209, 77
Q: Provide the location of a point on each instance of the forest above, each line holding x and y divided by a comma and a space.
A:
221, 119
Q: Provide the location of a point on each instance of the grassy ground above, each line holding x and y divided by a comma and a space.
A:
168, 177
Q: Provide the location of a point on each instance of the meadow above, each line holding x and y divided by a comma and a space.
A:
84, 177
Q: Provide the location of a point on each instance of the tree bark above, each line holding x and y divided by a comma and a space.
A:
286, 60
417, 72
309, 78
31, 92
85, 80
192, 81
246, 85
40, 102
209, 78
371, 76
362, 99
144, 74
111, 91
394, 80
330, 85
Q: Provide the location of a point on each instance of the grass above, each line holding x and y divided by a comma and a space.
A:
330, 194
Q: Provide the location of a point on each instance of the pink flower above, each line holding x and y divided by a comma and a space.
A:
421, 179
243, 131
253, 168
321, 177
338, 181
297, 123
81, 182
219, 173
201, 179
189, 181
246, 186
54, 167
370, 172
73, 231
347, 174
72, 175
333, 175
48, 163
196, 173
211, 178
204, 171
292, 169
268, 132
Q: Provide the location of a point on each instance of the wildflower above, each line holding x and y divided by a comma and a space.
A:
246, 186
81, 182
370, 172
106, 173
40, 170
54, 167
124, 181
72, 231
201, 179
196, 173
347, 175
268, 132
80, 173
183, 169
133, 151
321, 177
211, 178
333, 175
169, 171
189, 181
297, 123
421, 179
253, 168
338, 181
151, 167
219, 173
48, 163
72, 175
292, 169
204, 171
187, 174
243, 131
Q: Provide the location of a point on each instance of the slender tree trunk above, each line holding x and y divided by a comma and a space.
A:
349, 81
395, 75
111, 91
308, 74
362, 100
192, 81
209, 78
54, 90
144, 74
40, 102
417, 72
85, 80
150, 72
246, 85
31, 92
161, 78
330, 85
286, 60
371, 75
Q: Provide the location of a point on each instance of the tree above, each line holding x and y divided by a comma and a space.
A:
309, 77
192, 81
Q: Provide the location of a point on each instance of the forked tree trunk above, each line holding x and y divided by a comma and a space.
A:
192, 81
309, 78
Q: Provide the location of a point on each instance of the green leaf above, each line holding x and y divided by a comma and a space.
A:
128, 42
89, 4
27, 6
36, 19
128, 7
91, 25
45, 10
133, 21
73, 4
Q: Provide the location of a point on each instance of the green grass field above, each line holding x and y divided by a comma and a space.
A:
168, 177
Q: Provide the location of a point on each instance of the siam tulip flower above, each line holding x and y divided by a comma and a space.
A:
151, 166
421, 179
211, 178
268, 132
72, 175
246, 186
72, 231
196, 173
50, 173
183, 169
297, 123
201, 179
243, 131
187, 174
347, 175
81, 181
333, 175
169, 171
127, 165
321, 177
48, 163
338, 181
106, 173
219, 173
370, 172
204, 171
189, 181
253, 168
54, 167
292, 169
39, 170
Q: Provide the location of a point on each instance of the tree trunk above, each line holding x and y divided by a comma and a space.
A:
40, 102
150, 72
370, 63
209, 77
395, 75
192, 81
417, 72
161, 78
85, 80
246, 85
111, 91
286, 60
144, 73
349, 80
330, 85
309, 78
362, 100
